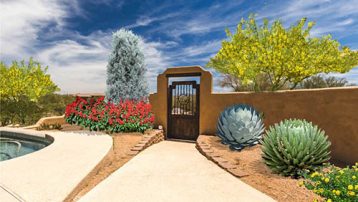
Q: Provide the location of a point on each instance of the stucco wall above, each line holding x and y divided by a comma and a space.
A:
334, 110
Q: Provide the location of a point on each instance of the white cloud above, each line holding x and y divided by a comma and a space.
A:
202, 21
77, 67
330, 16
93, 48
80, 77
22, 20
155, 60
206, 48
147, 20
76, 64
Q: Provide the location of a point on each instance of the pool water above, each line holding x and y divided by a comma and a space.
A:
13, 145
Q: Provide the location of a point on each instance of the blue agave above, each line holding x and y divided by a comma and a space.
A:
240, 126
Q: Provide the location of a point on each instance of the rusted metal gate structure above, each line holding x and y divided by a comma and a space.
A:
183, 110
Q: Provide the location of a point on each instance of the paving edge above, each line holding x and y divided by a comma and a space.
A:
12, 193
213, 155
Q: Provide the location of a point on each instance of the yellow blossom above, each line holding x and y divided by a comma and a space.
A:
326, 180
338, 192
300, 183
351, 193
356, 187
353, 177
329, 200
314, 174
350, 187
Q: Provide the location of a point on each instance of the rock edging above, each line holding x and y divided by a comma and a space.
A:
149, 138
210, 153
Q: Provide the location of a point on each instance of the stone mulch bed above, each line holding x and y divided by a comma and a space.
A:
249, 166
125, 147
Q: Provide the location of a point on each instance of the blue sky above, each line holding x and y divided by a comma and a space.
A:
73, 37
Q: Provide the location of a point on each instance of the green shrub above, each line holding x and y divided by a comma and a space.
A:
336, 184
24, 111
240, 126
21, 111
294, 146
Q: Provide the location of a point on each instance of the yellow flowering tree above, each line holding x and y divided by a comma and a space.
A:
21, 86
286, 56
25, 79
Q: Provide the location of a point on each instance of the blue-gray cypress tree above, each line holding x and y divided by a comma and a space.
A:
126, 68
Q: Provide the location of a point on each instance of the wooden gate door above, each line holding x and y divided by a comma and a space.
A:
183, 110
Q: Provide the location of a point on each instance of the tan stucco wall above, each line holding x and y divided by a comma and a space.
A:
335, 110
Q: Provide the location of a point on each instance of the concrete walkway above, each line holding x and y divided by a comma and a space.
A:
51, 173
173, 171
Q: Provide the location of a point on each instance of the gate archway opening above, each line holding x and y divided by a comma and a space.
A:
161, 104
183, 102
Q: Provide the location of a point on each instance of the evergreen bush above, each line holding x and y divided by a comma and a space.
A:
126, 69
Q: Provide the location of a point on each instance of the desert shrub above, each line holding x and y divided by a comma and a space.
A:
24, 111
21, 111
54, 104
320, 81
98, 115
294, 146
336, 184
240, 126
55, 126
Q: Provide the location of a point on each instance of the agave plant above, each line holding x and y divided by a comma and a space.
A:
295, 146
240, 126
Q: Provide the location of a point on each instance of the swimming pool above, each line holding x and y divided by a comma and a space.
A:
15, 144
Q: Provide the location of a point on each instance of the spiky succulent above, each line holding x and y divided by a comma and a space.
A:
293, 146
240, 126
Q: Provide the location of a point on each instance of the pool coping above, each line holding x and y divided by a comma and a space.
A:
51, 173
27, 135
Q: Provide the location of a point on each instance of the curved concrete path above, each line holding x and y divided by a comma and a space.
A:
173, 171
51, 173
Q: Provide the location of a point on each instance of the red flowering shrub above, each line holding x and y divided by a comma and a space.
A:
98, 115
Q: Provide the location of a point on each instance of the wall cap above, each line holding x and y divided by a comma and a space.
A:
291, 91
